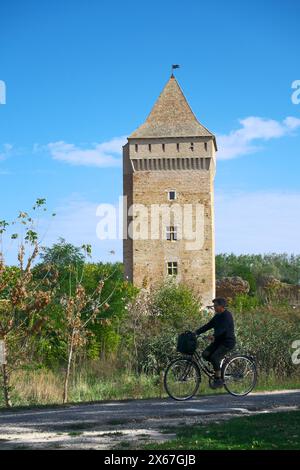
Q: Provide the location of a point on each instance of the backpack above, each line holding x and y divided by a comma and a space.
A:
187, 342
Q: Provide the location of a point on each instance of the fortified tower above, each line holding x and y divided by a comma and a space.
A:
169, 162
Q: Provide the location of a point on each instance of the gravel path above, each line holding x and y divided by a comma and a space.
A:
121, 424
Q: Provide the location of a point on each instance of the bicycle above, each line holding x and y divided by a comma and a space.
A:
182, 377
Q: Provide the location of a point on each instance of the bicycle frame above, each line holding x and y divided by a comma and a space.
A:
201, 364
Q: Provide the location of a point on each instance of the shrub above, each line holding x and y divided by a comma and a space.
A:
269, 338
153, 322
243, 303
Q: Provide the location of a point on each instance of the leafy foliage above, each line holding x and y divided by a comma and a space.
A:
253, 268
154, 319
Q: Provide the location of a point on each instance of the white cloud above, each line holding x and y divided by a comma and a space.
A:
105, 154
257, 222
76, 221
247, 139
244, 140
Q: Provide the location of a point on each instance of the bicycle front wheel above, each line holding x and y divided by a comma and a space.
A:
182, 379
239, 375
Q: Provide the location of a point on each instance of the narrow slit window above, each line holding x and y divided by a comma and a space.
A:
136, 147
163, 147
205, 146
172, 195
177, 145
149, 147
192, 146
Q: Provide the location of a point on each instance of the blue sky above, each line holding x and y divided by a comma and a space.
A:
81, 75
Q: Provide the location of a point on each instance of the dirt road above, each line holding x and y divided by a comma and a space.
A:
119, 424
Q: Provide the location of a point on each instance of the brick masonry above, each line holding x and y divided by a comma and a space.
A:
145, 260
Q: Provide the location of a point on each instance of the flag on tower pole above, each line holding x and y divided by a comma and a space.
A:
174, 66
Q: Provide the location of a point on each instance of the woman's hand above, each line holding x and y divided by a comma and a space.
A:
209, 337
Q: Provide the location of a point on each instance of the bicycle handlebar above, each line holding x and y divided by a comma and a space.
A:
208, 337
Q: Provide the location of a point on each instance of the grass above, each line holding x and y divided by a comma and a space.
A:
101, 381
273, 382
124, 445
274, 431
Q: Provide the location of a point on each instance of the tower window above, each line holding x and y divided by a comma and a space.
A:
163, 147
171, 233
205, 146
177, 145
192, 146
136, 147
149, 147
172, 268
172, 195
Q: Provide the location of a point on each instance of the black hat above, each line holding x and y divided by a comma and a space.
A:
220, 301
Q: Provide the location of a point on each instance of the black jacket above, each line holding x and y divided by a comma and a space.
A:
223, 328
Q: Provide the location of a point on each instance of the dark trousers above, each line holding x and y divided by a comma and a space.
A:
214, 353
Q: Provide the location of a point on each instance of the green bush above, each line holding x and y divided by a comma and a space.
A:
254, 267
265, 331
244, 302
269, 338
157, 351
153, 323
177, 306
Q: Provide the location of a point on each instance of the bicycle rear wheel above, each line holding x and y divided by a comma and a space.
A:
240, 375
182, 379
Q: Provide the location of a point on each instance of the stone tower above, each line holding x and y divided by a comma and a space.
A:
169, 162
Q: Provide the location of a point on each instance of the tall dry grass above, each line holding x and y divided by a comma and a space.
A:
44, 387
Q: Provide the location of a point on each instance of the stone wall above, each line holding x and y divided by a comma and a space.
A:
146, 260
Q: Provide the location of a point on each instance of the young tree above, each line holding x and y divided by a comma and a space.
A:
81, 309
22, 299
81, 299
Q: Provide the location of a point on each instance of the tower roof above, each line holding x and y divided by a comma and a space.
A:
171, 116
